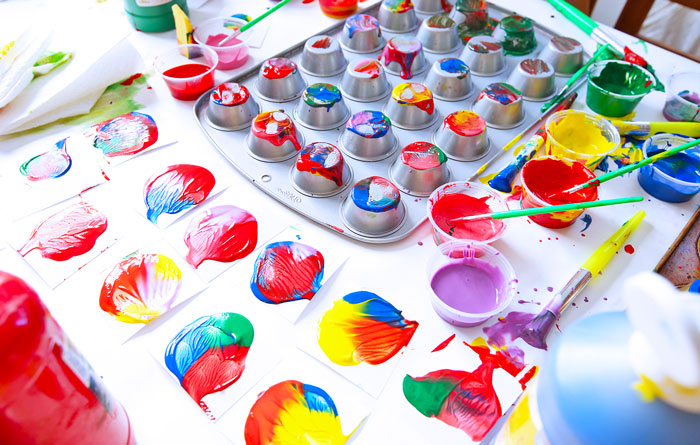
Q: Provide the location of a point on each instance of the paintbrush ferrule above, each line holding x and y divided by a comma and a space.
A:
568, 292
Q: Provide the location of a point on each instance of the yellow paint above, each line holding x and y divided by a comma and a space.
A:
487, 178
479, 341
6, 49
297, 424
647, 389
137, 313
579, 135
183, 27
335, 341
519, 429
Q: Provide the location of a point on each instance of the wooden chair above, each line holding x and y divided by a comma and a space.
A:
634, 13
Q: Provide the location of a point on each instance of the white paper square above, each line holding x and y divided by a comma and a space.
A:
51, 271
371, 378
210, 269
270, 343
353, 406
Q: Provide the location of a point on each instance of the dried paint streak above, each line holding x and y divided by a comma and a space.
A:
278, 67
71, 232
501, 92
368, 68
402, 50
363, 327
208, 355
322, 159
49, 165
321, 95
178, 188
465, 123
375, 194
399, 6
456, 67
287, 271
423, 156
322, 43
223, 233
229, 94
276, 127
444, 343
140, 288
369, 124
361, 22
292, 412
535, 66
461, 399
414, 94
125, 135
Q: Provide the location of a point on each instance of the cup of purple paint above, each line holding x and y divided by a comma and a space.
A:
233, 53
469, 282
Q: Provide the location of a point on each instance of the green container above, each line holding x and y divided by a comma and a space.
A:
152, 15
609, 95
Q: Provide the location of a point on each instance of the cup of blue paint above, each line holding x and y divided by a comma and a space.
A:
675, 178
469, 282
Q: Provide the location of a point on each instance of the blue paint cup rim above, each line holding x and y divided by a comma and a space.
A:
665, 137
601, 64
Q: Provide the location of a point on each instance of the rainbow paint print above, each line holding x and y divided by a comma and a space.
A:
49, 165
125, 135
176, 189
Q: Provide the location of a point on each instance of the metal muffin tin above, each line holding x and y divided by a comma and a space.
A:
274, 178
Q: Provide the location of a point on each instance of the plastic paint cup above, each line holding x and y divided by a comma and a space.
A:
188, 70
590, 157
469, 282
338, 9
543, 177
456, 199
610, 90
683, 98
234, 53
673, 179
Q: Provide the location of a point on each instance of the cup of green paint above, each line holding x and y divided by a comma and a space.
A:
616, 87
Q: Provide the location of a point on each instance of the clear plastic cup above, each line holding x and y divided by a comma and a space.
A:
188, 70
497, 273
683, 98
612, 104
234, 53
660, 184
591, 160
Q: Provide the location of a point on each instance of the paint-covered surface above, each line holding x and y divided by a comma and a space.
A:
178, 188
520, 35
323, 95
565, 44
338, 9
208, 355
278, 68
484, 47
684, 106
615, 88
675, 178
361, 22
287, 271
71, 232
140, 288
49, 165
501, 92
292, 412
275, 127
362, 327
535, 67
450, 206
223, 233
369, 124
230, 94
125, 135
465, 123
375, 194
414, 94
440, 21
402, 50
322, 159
453, 67
476, 19
423, 156
399, 6
367, 68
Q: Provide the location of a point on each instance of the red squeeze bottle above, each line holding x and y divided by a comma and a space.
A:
49, 394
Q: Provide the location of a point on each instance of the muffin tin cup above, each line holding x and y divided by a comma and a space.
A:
498, 115
380, 222
322, 57
313, 184
361, 34
564, 54
409, 117
534, 78
360, 87
368, 149
418, 64
462, 148
418, 182
484, 56
438, 40
284, 89
397, 22
231, 117
264, 150
321, 117
428, 7
448, 86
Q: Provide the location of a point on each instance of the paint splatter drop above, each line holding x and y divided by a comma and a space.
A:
550, 289
50, 165
629, 248
587, 220
178, 188
444, 343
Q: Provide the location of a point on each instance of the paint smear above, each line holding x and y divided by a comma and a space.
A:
276, 127
456, 67
361, 22
71, 232
208, 355
504, 332
125, 135
440, 21
291, 412
178, 188
565, 44
321, 95
402, 50
500, 92
450, 206
375, 194
368, 68
414, 94
363, 327
322, 159
287, 271
140, 288
229, 94
278, 68
322, 43
535, 66
49, 165
465, 123
484, 46
369, 124
399, 6
222, 233
444, 343
587, 220
422, 156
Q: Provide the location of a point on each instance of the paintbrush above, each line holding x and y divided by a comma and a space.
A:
503, 181
536, 331
569, 84
251, 23
547, 209
644, 129
628, 168
590, 27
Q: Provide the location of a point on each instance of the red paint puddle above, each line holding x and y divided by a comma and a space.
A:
629, 249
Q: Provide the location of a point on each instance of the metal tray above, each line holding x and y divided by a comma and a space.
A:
273, 178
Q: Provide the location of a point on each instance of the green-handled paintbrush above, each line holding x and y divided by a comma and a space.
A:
253, 22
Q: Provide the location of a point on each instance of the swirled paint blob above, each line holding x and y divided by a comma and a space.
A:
71, 232
287, 271
414, 94
461, 399
368, 68
369, 124
375, 194
501, 92
292, 412
321, 95
453, 67
363, 327
483, 46
52, 164
402, 50
229, 94
399, 6
208, 355
275, 127
140, 288
361, 22
423, 156
465, 123
178, 188
440, 21
126, 135
322, 159
223, 233
278, 67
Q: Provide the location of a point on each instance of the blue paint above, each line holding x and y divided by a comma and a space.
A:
360, 22
672, 179
503, 181
454, 66
375, 194
369, 124
587, 220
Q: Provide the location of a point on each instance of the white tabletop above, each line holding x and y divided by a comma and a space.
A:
161, 413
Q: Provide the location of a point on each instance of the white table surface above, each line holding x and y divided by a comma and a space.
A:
161, 414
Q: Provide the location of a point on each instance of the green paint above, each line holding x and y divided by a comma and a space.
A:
441, 21
238, 326
442, 157
152, 15
622, 78
427, 395
49, 62
520, 35
615, 88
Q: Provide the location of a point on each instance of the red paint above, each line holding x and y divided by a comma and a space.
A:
323, 43
525, 379
48, 392
465, 123
230, 94
402, 50
543, 181
338, 9
189, 81
629, 248
278, 68
422, 156
276, 127
323, 159
71, 232
371, 68
444, 343
635, 58
131, 79
534, 66
451, 206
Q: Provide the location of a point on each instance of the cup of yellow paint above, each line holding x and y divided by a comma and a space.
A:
581, 137
616, 87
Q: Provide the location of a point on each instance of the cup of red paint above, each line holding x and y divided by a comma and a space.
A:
234, 53
188, 70
456, 199
544, 178
469, 282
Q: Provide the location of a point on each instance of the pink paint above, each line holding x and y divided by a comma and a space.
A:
470, 285
232, 54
